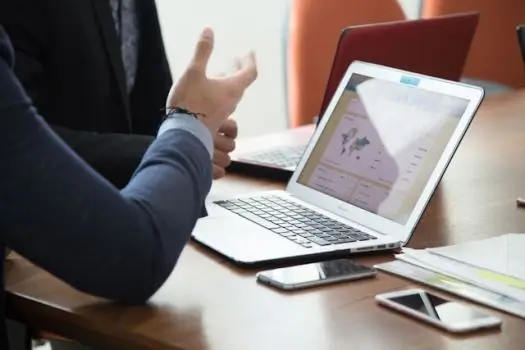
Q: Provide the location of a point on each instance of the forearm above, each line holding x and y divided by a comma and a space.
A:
63, 216
114, 156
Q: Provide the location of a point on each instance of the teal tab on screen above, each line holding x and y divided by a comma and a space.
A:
405, 79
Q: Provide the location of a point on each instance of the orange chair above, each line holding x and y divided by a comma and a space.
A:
494, 54
315, 26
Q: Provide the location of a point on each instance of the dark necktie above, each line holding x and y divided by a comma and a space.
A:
126, 24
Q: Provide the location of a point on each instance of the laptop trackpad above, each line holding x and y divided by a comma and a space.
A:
242, 240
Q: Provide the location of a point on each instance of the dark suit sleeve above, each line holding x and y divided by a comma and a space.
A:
63, 216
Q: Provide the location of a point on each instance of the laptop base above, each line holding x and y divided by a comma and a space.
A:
292, 139
292, 261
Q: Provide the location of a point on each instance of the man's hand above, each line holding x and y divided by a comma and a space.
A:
215, 98
224, 144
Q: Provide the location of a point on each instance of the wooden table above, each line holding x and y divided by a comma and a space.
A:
209, 304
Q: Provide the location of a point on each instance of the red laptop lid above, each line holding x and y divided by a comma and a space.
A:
436, 46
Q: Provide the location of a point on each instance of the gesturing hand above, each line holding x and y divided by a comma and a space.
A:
215, 98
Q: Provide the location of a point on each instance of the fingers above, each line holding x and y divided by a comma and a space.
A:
246, 71
221, 159
229, 128
237, 63
223, 143
218, 172
203, 50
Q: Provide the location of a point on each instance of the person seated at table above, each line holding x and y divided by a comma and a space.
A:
60, 214
112, 52
105, 60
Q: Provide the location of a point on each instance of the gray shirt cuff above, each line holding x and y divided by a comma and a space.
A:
191, 125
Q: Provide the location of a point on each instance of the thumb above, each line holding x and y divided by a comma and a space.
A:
203, 50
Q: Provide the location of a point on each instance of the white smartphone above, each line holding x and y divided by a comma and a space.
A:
448, 315
315, 274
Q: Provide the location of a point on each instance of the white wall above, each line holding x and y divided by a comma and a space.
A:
240, 25
411, 7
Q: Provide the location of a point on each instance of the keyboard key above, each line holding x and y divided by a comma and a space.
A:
337, 234
299, 231
280, 230
247, 201
260, 221
345, 240
319, 241
302, 240
240, 211
286, 233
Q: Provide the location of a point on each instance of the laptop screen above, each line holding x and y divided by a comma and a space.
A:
381, 145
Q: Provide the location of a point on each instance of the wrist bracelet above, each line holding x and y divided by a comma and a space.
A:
171, 111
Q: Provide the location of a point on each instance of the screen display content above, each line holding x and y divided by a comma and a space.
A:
381, 145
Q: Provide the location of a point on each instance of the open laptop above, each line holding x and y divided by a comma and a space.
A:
437, 47
365, 179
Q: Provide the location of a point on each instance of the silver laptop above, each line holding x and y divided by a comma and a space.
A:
364, 180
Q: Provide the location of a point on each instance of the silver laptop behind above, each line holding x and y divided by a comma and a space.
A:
364, 180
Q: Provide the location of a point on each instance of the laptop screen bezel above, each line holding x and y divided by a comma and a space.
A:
324, 104
375, 222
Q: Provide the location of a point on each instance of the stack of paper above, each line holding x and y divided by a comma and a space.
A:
494, 268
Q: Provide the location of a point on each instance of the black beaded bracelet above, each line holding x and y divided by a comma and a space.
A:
170, 111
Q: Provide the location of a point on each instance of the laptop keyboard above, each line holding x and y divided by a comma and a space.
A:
284, 158
294, 222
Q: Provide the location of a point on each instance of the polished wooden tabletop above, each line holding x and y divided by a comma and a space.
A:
209, 304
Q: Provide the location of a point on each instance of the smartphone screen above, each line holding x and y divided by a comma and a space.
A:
443, 311
340, 269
